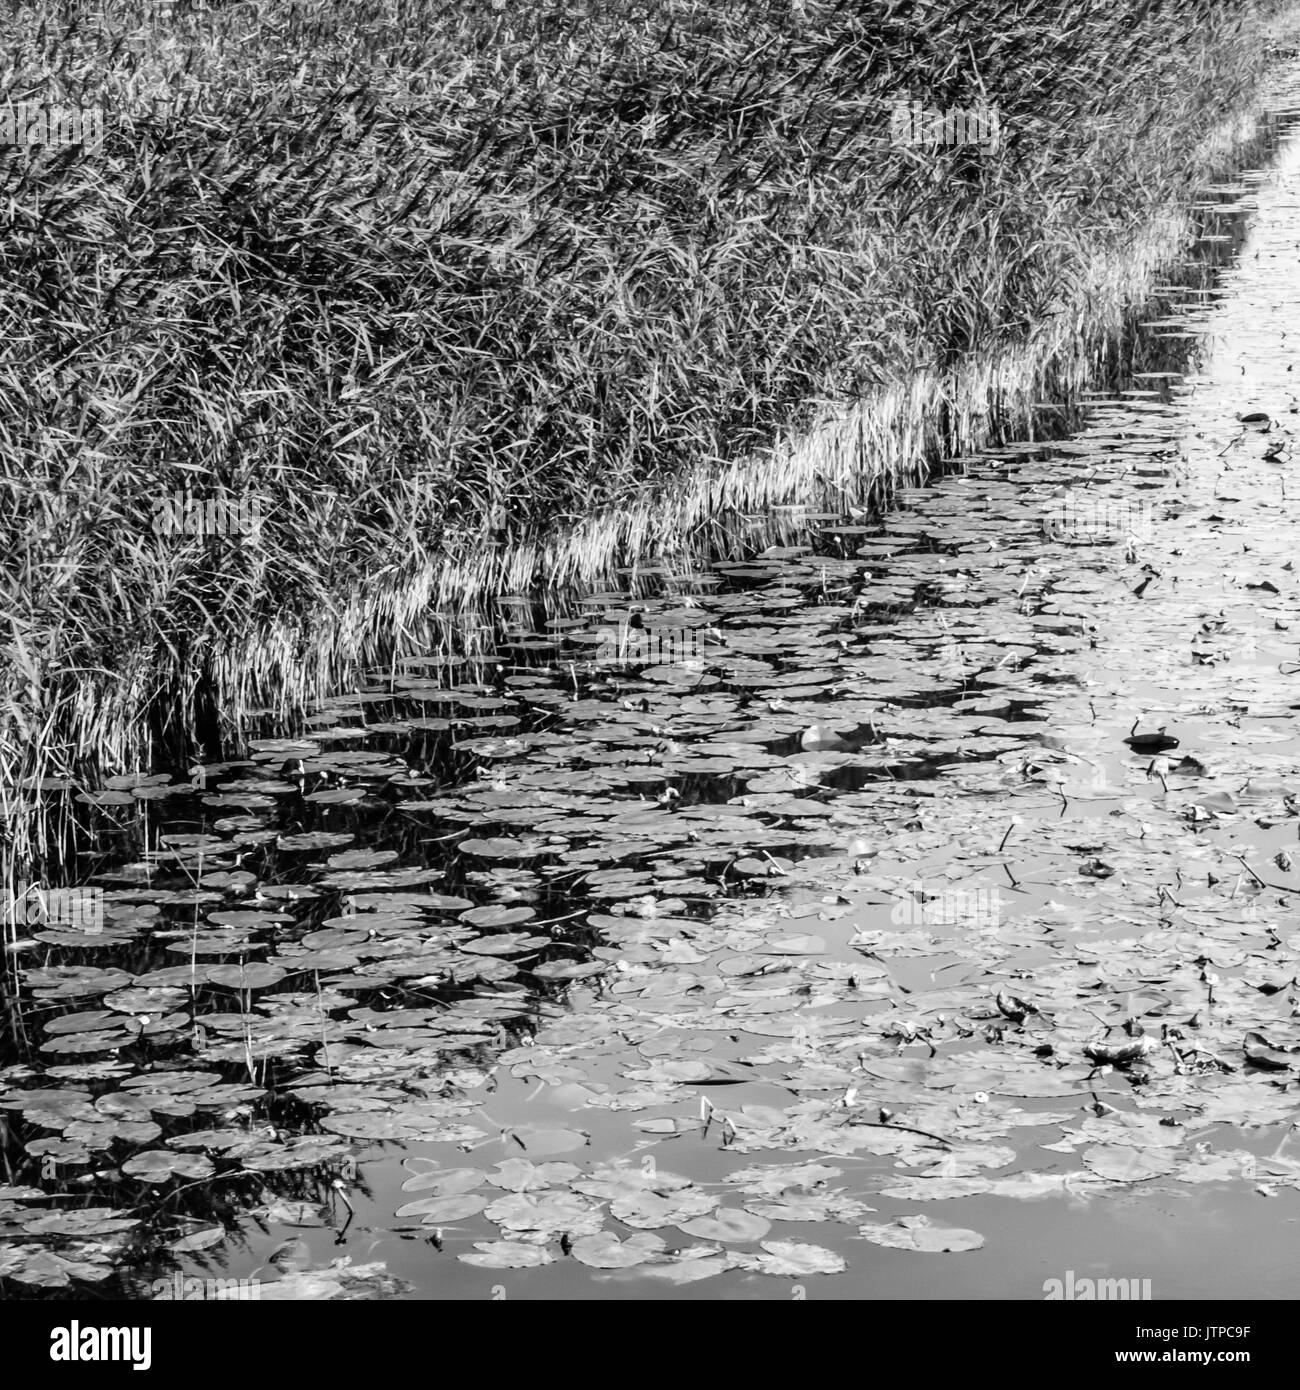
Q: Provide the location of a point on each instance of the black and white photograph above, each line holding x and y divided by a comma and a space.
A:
649, 652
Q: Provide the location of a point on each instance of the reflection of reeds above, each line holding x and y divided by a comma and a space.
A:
560, 297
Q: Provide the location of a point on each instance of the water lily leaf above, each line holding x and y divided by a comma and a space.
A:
86, 1221
361, 858
1260, 1052
291, 1213
778, 1180
242, 918
503, 847
442, 1182
88, 1042
1120, 1163
244, 977
335, 796
498, 916
569, 970
504, 944
687, 1271
45, 1269
291, 1255
791, 1259
74, 981
154, 1000
507, 1254
101, 1136
339, 1281
611, 1180
369, 1125
921, 1234
546, 1211
650, 1210
298, 1151
604, 1250
314, 839
435, 1210
520, 1175
795, 946
199, 1240
93, 1020
59, 1150
727, 1224
157, 1165
810, 1206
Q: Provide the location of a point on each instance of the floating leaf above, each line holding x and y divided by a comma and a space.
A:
435, 1210
244, 977
507, 1254
157, 1165
604, 1250
650, 1210
791, 1259
921, 1234
547, 1211
727, 1224
1120, 1163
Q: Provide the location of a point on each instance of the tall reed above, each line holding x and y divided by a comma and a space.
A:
430, 284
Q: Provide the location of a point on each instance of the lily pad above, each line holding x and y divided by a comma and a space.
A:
921, 1234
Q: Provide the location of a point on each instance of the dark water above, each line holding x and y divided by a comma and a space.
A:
797, 913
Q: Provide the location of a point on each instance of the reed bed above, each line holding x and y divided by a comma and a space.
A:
468, 297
